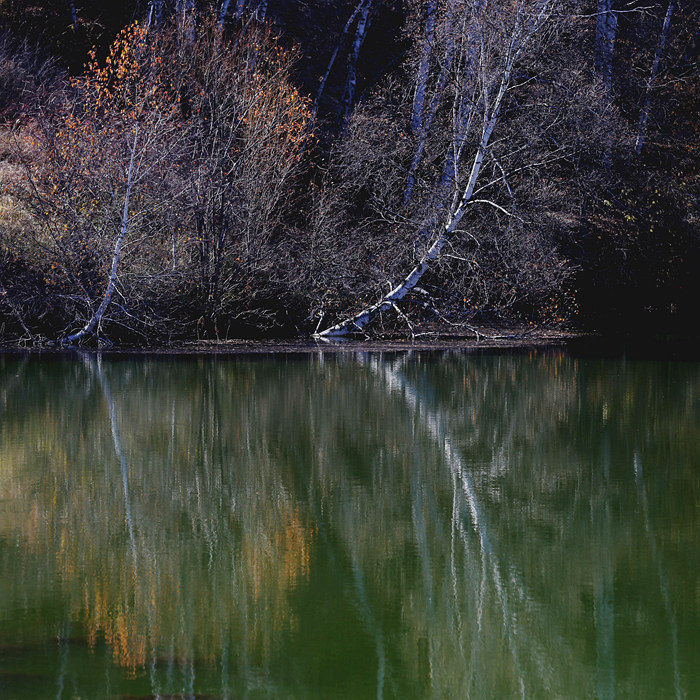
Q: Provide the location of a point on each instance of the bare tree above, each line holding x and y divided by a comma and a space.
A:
98, 191
487, 48
246, 130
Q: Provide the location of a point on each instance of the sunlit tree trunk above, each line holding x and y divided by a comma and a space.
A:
422, 117
97, 317
489, 101
424, 68
363, 23
155, 13
334, 55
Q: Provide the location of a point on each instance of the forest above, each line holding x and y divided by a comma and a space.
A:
177, 170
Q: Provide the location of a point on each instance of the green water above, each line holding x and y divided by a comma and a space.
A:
349, 526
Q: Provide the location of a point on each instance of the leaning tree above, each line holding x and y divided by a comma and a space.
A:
451, 168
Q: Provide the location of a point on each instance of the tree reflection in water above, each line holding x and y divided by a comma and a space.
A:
352, 525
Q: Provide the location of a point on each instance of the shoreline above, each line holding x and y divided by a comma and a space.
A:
493, 339
576, 343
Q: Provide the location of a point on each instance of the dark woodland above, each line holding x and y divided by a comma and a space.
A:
189, 170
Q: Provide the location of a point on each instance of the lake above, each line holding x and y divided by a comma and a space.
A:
349, 525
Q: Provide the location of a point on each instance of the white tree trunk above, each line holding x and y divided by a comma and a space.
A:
644, 115
422, 119
424, 68
351, 80
116, 257
362, 318
524, 28
155, 12
334, 55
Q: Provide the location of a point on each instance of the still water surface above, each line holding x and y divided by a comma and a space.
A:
349, 526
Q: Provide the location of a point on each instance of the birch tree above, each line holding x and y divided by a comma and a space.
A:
646, 107
481, 58
366, 8
425, 105
98, 194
